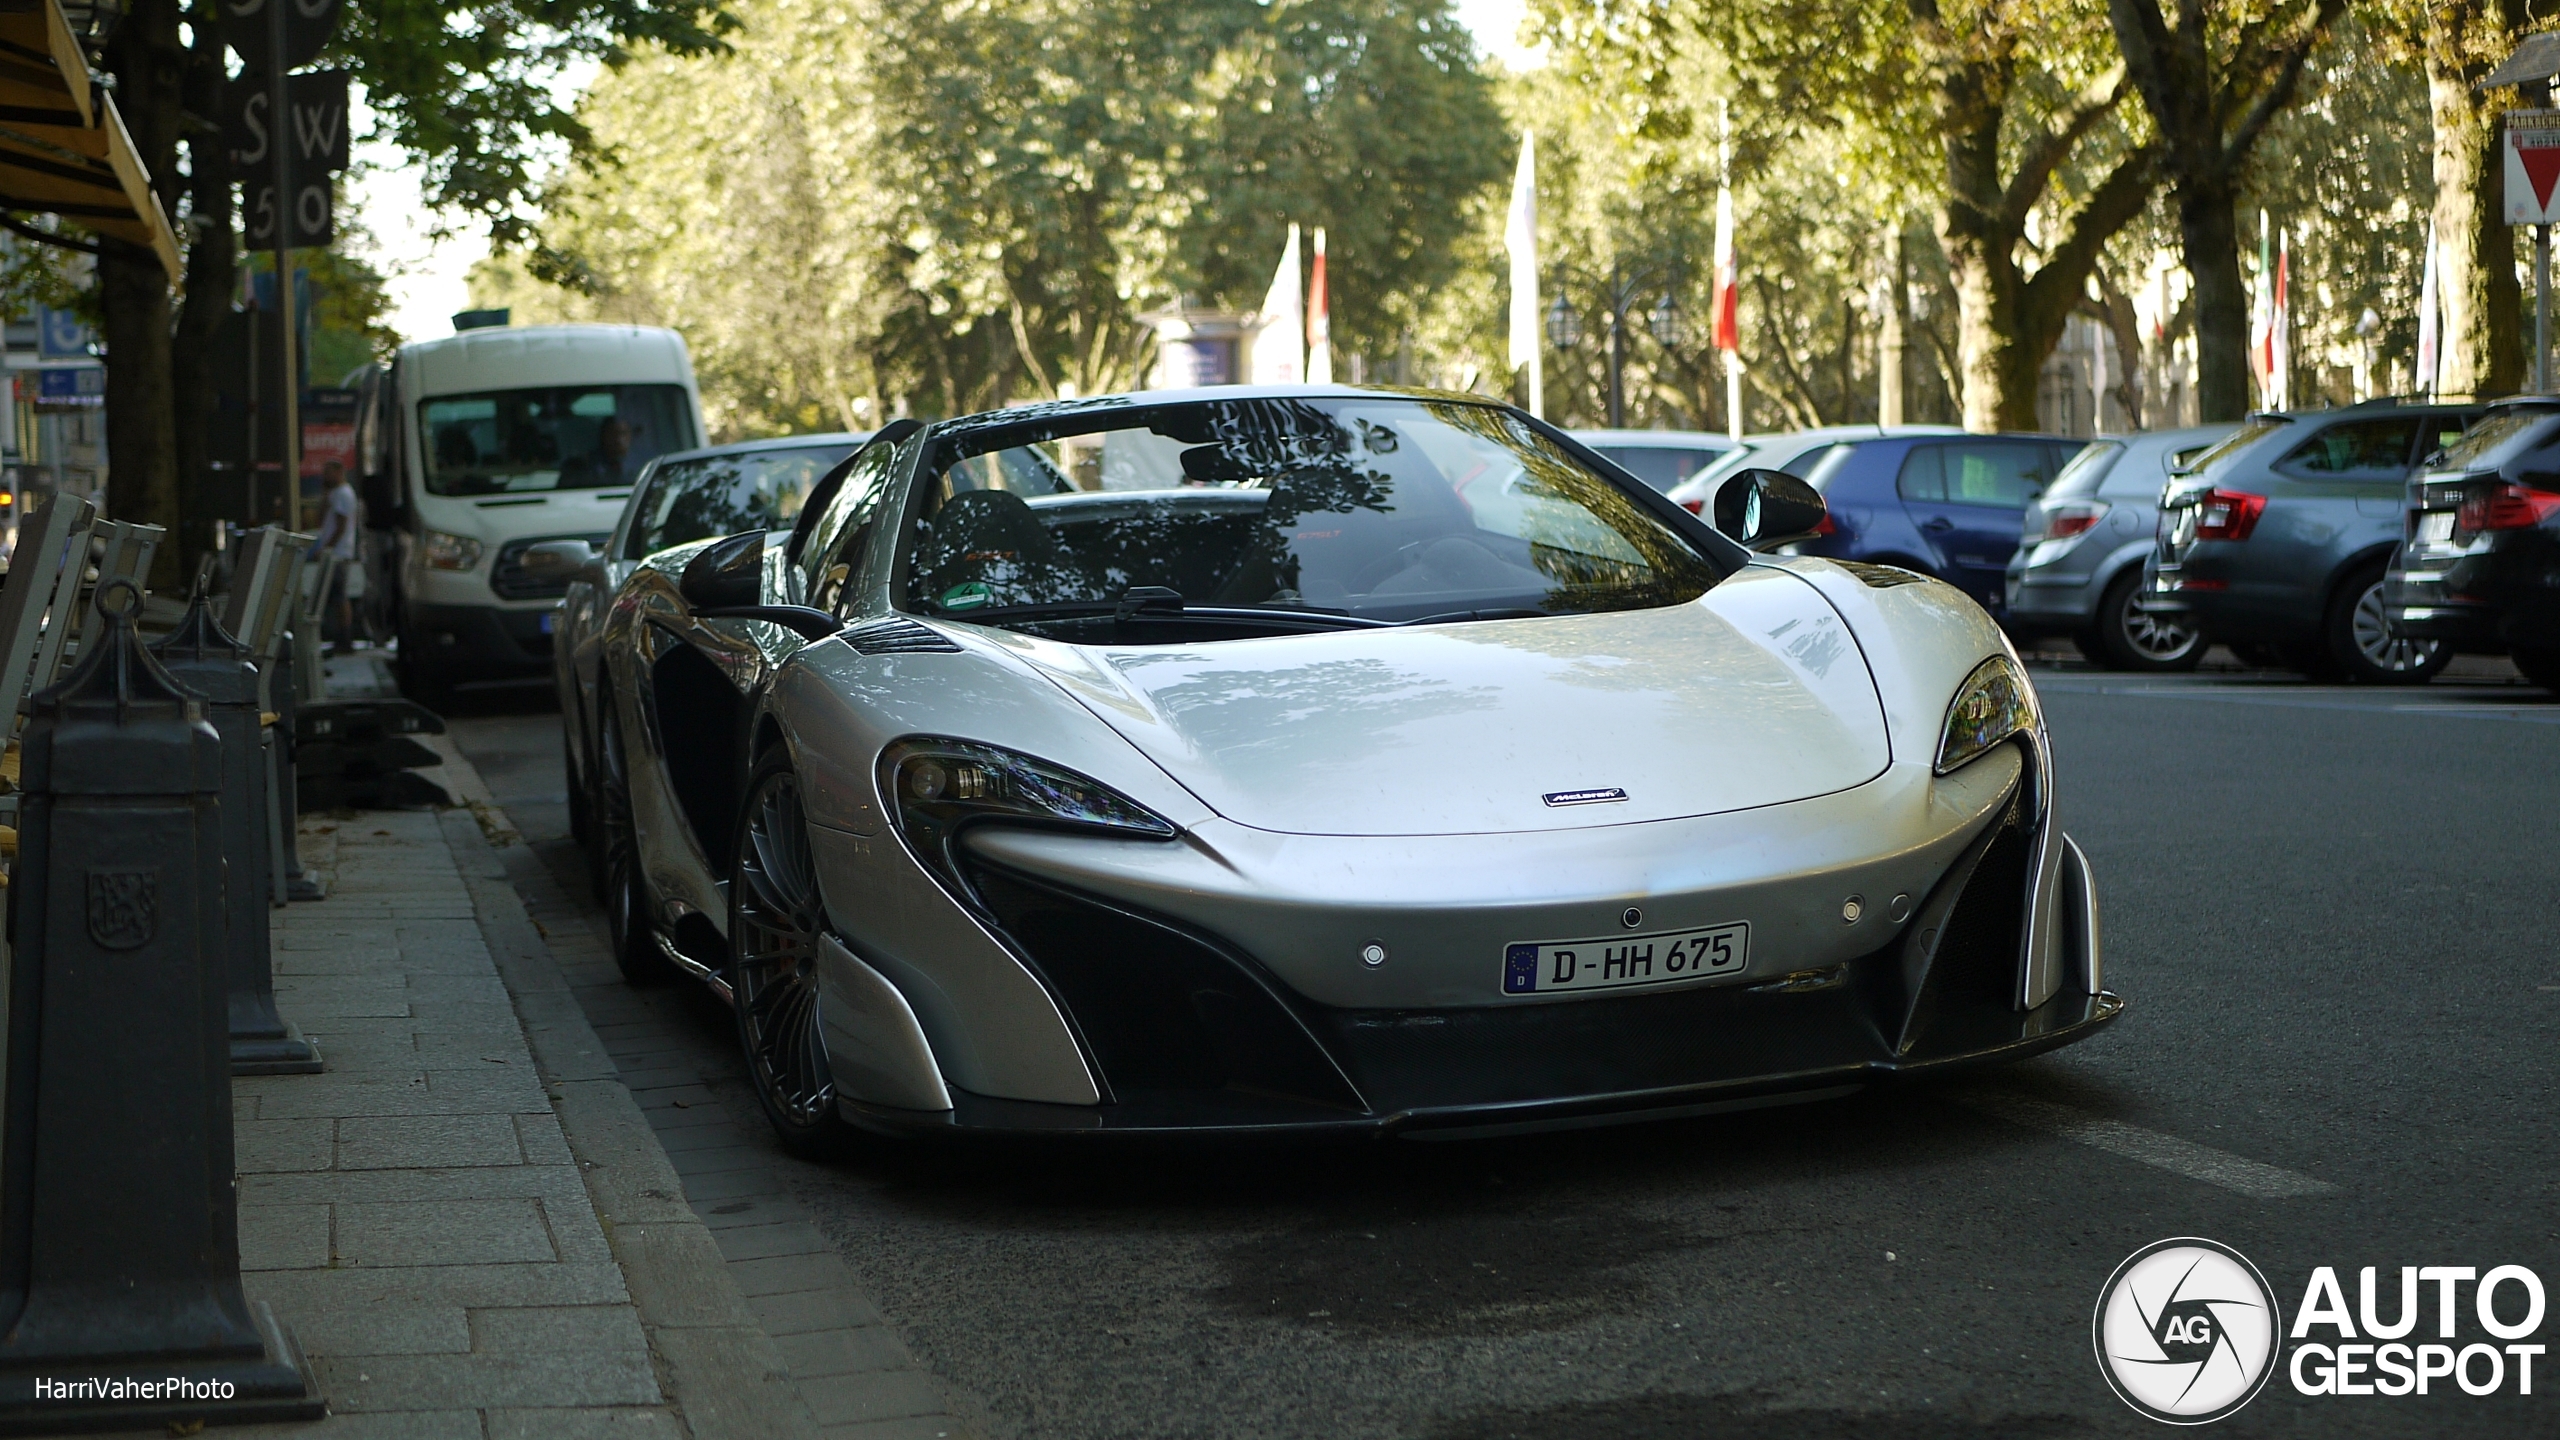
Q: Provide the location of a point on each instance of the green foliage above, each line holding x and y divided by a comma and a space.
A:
468, 88
862, 204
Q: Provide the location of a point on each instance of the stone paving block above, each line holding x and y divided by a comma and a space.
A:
445, 1045
482, 988
320, 997
887, 1395
301, 1144
394, 1425
801, 1311
540, 1137
721, 1158
711, 1131
743, 1211
420, 1142
551, 1328
443, 1232
910, 1427
554, 1185
368, 1092
780, 1275
582, 1425
284, 1237
437, 1013
359, 1054
435, 1382
726, 1184
385, 1330
765, 1242
470, 1286
843, 1352
672, 1269
244, 1106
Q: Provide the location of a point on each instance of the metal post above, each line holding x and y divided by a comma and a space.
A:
280, 138
119, 1217
200, 655
1617, 349
2542, 308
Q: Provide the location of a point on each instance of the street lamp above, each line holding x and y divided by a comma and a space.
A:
1665, 323
1564, 325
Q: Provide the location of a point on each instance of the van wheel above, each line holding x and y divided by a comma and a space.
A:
2361, 642
2130, 638
422, 679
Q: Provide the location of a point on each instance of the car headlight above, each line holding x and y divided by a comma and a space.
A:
1994, 703
450, 552
937, 788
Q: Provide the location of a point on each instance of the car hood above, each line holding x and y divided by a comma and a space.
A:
1755, 694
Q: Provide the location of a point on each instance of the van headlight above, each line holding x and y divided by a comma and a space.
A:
450, 552
1994, 703
937, 788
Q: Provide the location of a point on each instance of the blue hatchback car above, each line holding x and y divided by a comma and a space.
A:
1944, 505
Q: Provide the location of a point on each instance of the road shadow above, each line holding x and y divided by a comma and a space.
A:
1740, 1417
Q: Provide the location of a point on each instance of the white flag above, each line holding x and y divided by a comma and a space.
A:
2429, 341
1520, 242
1280, 345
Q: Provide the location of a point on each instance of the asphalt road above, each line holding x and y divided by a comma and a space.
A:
2331, 913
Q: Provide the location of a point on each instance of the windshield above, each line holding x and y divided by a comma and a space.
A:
2488, 444
566, 437
1381, 510
689, 500
2235, 442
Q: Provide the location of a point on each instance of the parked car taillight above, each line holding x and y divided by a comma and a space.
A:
2063, 519
2228, 514
1694, 507
2504, 506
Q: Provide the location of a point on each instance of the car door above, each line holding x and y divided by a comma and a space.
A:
2334, 495
1968, 499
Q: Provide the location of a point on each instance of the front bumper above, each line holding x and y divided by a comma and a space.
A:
2488, 601
1188, 1030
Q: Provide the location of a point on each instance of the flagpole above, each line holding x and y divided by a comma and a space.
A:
1728, 270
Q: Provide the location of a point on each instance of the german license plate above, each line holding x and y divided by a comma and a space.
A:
548, 617
2435, 527
1622, 962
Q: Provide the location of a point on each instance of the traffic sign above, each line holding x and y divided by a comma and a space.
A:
2533, 167
308, 26
317, 104
314, 213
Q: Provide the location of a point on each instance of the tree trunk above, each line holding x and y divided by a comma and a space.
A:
1891, 317
212, 266
2209, 233
2483, 350
133, 291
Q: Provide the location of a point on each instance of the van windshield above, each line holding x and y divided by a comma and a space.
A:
566, 437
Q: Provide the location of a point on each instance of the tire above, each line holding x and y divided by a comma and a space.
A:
581, 826
2359, 642
625, 881
421, 679
2127, 638
2542, 667
775, 921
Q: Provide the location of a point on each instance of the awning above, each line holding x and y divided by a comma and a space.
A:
63, 149
2538, 58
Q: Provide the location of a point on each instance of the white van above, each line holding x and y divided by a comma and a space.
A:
479, 446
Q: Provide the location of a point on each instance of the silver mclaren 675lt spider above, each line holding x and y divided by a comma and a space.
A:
1316, 759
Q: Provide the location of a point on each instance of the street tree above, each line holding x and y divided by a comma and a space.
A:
2213, 78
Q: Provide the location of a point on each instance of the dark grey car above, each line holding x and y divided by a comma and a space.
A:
2078, 569
2279, 541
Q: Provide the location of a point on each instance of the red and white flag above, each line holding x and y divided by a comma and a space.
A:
1728, 316
1319, 321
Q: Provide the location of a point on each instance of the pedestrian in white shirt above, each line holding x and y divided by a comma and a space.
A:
338, 532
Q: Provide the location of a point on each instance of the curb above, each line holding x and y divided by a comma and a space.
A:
719, 1370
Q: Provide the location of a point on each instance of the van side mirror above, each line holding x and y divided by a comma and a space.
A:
1764, 509
728, 573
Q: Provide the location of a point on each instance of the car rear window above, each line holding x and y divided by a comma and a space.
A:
1660, 466
1976, 472
689, 500
2087, 471
2498, 438
2235, 442
2372, 449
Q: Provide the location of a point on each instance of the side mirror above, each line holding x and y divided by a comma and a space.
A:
727, 574
1764, 509
556, 559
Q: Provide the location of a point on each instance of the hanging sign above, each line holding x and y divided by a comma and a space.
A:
308, 28
2533, 167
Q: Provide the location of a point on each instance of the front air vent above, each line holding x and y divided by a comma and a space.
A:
899, 637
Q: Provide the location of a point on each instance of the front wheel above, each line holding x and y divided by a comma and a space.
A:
776, 920
2132, 638
2360, 641
2542, 667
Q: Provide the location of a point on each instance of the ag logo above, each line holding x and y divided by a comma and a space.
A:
2186, 1331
